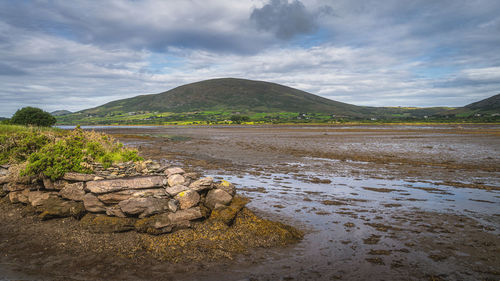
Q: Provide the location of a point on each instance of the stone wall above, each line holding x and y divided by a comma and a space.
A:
143, 196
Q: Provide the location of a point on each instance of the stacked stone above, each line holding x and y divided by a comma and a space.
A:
159, 203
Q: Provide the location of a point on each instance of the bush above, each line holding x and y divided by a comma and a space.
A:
240, 118
33, 116
75, 153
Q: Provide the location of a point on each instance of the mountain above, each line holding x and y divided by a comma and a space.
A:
60, 112
230, 94
487, 107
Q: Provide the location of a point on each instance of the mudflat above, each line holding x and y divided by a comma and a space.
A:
376, 203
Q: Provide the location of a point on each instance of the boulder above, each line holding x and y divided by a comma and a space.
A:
176, 179
227, 187
202, 184
115, 211
71, 176
116, 197
217, 196
144, 206
173, 171
12, 186
226, 214
188, 199
55, 207
4, 179
105, 186
36, 198
104, 224
173, 205
174, 190
73, 191
192, 176
165, 223
93, 204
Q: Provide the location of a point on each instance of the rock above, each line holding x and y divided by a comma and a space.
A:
191, 176
4, 171
173, 205
176, 179
202, 184
3, 192
105, 186
174, 190
14, 197
48, 184
188, 199
12, 186
115, 211
185, 215
4, 179
93, 204
144, 206
226, 214
173, 171
55, 207
227, 187
104, 224
140, 166
215, 196
73, 191
181, 218
116, 197
71, 176
36, 198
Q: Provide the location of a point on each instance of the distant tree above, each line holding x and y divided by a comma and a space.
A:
33, 116
239, 118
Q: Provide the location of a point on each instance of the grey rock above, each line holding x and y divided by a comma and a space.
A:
144, 206
202, 184
115, 211
71, 176
217, 196
93, 204
176, 179
105, 186
116, 197
37, 198
173, 205
174, 190
178, 217
55, 207
188, 199
173, 171
4, 179
227, 187
73, 191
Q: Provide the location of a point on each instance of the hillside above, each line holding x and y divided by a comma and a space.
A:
230, 94
487, 107
60, 112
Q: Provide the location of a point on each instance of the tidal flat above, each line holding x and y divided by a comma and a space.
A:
376, 202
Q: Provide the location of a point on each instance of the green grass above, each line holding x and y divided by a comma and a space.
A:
52, 152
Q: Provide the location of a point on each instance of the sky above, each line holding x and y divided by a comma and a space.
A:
77, 54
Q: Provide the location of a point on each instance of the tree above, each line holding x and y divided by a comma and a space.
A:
33, 116
239, 118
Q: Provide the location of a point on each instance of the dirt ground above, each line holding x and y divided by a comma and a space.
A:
377, 203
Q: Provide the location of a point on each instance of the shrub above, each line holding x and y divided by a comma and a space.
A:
33, 116
76, 152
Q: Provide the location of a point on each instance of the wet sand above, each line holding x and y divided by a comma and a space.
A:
377, 202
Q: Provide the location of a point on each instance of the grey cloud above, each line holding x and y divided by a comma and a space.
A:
8, 70
285, 19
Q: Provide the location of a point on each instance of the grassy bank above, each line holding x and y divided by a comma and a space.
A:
51, 152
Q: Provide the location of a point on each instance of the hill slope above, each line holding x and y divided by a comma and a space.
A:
230, 94
486, 106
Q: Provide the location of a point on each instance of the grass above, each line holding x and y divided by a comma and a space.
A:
51, 152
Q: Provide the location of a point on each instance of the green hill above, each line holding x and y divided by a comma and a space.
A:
486, 107
230, 94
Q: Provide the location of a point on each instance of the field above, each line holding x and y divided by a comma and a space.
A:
377, 202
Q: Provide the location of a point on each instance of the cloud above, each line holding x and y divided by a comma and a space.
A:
76, 54
284, 19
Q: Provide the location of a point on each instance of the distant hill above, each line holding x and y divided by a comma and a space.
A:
60, 112
231, 94
487, 107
